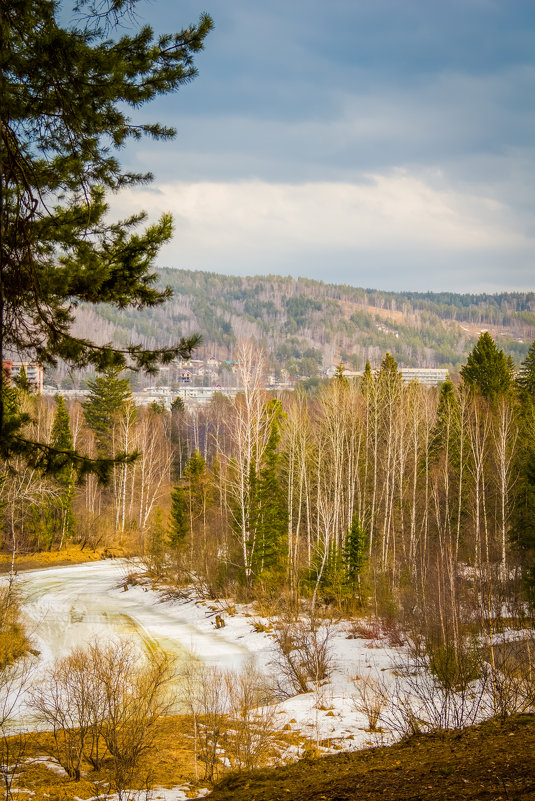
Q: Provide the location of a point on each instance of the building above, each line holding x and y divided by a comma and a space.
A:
34, 373
430, 376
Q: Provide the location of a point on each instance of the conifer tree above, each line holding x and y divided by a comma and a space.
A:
61, 439
21, 381
66, 93
354, 553
488, 371
523, 518
526, 375
178, 524
272, 513
108, 397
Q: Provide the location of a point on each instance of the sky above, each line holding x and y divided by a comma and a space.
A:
388, 144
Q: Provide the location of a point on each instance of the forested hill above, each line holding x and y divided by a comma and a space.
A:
308, 325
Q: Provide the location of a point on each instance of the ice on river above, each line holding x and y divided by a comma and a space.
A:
69, 606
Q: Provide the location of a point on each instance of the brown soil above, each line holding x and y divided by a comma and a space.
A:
491, 762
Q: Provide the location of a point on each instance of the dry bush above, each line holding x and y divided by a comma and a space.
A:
205, 696
63, 701
511, 676
438, 692
15, 678
253, 717
233, 716
370, 698
102, 704
14, 642
305, 655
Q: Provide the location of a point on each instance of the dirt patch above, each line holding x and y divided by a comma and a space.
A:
487, 762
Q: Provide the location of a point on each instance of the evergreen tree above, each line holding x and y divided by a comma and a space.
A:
339, 375
523, 517
367, 377
196, 488
65, 93
61, 439
389, 370
488, 371
526, 375
354, 553
272, 513
178, 524
21, 381
444, 428
108, 397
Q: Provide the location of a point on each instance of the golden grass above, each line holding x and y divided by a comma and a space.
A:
169, 763
69, 555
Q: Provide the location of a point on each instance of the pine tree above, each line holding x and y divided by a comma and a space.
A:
61, 439
526, 375
272, 513
178, 523
488, 371
108, 397
21, 381
354, 553
65, 95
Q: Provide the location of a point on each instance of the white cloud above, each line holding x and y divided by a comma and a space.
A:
220, 224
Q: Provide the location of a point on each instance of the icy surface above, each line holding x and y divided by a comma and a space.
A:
75, 605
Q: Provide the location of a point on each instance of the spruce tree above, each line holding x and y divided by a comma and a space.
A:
272, 513
61, 439
21, 381
108, 397
178, 522
488, 371
67, 91
354, 553
525, 380
523, 517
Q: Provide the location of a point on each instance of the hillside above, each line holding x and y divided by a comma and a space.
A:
308, 325
485, 762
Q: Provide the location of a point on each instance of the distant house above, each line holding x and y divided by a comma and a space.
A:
34, 373
213, 363
185, 376
430, 376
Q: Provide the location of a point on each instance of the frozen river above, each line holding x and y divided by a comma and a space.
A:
69, 606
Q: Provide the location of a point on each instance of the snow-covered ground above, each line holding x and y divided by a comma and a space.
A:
69, 606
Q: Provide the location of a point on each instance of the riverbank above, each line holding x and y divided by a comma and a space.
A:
480, 763
70, 555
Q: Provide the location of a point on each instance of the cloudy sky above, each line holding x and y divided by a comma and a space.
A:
380, 143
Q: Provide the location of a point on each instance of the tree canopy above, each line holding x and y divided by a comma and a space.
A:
66, 93
487, 370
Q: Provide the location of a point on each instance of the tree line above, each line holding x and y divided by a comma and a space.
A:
355, 493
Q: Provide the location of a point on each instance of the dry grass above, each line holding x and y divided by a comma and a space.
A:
69, 555
170, 762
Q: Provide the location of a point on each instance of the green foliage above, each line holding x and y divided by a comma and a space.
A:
488, 370
526, 375
21, 381
179, 519
61, 439
108, 397
339, 376
67, 93
272, 513
354, 553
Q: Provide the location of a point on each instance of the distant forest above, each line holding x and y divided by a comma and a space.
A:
306, 326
